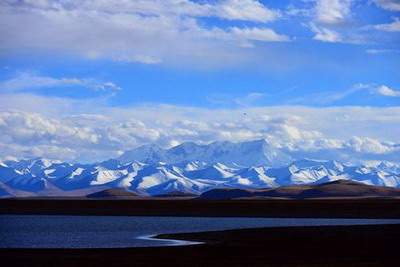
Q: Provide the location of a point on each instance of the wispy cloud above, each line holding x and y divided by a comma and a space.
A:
381, 51
389, 27
392, 5
358, 93
29, 81
226, 100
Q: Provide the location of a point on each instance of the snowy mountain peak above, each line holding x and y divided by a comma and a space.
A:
147, 153
246, 154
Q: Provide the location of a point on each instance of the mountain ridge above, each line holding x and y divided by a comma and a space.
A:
188, 168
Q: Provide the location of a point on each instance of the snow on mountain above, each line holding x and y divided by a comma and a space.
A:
192, 165
35, 166
104, 176
216, 172
253, 177
389, 167
25, 175
188, 168
375, 175
146, 154
191, 177
162, 178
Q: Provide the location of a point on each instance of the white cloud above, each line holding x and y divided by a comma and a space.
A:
392, 5
332, 11
249, 100
259, 34
325, 35
389, 27
369, 145
149, 32
76, 130
382, 90
227, 100
293, 10
356, 93
245, 10
26, 80
333, 21
387, 91
44, 151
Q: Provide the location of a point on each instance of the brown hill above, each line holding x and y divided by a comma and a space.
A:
113, 193
336, 189
176, 194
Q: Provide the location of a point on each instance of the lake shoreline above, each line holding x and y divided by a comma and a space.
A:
171, 242
90, 232
367, 245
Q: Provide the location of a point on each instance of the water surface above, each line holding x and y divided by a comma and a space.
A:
53, 231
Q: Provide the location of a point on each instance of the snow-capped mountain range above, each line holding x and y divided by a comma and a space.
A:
188, 168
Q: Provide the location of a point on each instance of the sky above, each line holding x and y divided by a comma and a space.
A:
86, 80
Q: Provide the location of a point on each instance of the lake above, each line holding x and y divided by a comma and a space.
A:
42, 231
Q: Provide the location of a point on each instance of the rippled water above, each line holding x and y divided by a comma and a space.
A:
41, 231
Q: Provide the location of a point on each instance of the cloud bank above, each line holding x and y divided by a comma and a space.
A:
84, 133
149, 32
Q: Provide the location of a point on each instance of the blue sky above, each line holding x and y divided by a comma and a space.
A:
193, 57
283, 71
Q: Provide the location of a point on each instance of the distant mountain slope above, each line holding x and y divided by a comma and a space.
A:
339, 188
4, 193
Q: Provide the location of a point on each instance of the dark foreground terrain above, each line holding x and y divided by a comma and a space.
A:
300, 246
311, 208
303, 246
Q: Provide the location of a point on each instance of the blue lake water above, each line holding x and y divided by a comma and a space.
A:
41, 231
